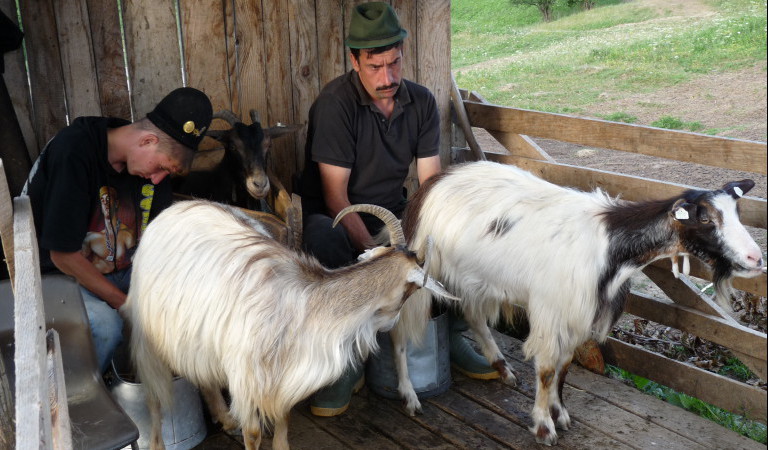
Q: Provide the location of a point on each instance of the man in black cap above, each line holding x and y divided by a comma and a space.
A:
365, 128
94, 188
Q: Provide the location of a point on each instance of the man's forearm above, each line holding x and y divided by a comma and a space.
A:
356, 229
76, 265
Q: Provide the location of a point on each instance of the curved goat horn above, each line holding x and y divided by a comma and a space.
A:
392, 223
428, 258
227, 115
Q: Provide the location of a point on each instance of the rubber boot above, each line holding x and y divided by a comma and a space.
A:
463, 357
333, 399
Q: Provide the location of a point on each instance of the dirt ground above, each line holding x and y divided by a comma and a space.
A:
733, 102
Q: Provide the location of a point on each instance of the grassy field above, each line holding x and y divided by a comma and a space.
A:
514, 59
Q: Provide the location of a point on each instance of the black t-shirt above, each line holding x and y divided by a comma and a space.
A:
346, 129
80, 203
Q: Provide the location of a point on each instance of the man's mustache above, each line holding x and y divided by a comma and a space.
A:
384, 88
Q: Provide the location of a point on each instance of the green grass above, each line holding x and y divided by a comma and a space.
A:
673, 123
621, 117
736, 369
512, 58
749, 428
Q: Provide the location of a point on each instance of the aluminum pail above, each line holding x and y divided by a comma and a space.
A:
183, 426
429, 366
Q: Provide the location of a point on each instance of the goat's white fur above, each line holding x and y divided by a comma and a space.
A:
217, 301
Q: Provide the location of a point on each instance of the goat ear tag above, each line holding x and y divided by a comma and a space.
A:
681, 214
738, 191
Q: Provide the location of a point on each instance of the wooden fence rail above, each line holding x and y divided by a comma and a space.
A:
687, 309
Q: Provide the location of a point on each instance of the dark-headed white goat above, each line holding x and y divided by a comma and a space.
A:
214, 299
503, 236
241, 176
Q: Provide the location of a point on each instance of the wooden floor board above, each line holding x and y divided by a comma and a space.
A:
452, 429
391, 421
703, 431
350, 429
516, 407
606, 414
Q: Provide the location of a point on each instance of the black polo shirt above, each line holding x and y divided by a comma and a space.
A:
346, 129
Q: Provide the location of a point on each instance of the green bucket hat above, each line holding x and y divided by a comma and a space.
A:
374, 25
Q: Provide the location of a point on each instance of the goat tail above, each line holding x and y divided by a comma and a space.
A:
414, 316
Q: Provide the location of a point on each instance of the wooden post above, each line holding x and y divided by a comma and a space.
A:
461, 117
7, 425
6, 222
33, 418
61, 429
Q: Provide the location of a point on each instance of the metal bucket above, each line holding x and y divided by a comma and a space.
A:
183, 427
429, 366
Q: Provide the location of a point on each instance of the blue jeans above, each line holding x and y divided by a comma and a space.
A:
106, 323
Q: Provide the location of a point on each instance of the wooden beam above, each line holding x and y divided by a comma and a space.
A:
205, 52
736, 154
277, 36
33, 418
77, 58
521, 145
756, 285
154, 56
6, 224
45, 76
712, 388
306, 86
7, 410
712, 328
16, 80
434, 51
680, 290
106, 34
516, 144
61, 427
463, 120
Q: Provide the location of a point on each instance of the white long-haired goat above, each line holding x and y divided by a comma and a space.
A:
214, 299
503, 236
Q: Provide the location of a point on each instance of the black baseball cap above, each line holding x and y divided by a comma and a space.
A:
185, 115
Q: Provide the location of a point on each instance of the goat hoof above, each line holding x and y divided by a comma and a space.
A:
412, 406
510, 379
564, 421
544, 435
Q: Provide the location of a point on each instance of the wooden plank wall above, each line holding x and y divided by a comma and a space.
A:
269, 55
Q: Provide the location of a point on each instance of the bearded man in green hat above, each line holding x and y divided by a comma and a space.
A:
365, 128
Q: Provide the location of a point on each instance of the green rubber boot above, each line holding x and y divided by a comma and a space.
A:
463, 357
333, 399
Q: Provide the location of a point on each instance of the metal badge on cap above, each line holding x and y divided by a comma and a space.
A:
189, 127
